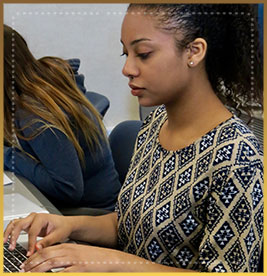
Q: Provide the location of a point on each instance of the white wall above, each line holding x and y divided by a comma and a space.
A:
90, 32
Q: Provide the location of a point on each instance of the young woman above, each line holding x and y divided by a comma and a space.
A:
53, 136
193, 195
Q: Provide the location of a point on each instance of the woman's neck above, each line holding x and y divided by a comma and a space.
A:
193, 115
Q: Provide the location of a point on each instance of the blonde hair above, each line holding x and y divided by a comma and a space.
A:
46, 88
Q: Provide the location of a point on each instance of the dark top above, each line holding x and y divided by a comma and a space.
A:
59, 174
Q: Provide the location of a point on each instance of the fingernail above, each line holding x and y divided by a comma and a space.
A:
22, 270
38, 246
28, 254
22, 266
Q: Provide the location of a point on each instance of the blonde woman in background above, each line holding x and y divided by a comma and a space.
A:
58, 141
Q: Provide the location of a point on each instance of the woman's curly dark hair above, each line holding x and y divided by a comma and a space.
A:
233, 59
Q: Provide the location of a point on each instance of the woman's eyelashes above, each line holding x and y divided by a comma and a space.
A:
142, 56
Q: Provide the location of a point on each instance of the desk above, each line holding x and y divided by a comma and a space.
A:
22, 186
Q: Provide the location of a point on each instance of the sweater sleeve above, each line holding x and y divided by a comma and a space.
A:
57, 172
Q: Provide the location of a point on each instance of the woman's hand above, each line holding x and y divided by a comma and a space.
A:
53, 228
85, 258
72, 258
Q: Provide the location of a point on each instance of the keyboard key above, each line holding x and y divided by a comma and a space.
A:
13, 259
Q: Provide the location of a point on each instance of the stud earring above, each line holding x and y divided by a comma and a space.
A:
191, 63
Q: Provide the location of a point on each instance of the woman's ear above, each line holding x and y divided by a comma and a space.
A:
196, 51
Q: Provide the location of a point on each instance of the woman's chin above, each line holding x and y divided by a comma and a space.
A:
146, 102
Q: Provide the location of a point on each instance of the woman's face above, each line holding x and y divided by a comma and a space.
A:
157, 70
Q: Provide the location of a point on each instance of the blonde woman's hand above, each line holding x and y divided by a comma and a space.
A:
53, 228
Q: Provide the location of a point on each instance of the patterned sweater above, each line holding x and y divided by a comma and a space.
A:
197, 208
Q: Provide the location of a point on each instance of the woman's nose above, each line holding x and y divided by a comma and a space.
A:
130, 69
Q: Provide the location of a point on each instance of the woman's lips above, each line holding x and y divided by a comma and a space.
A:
135, 90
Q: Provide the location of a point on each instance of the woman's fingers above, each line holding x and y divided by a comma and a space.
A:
37, 226
47, 258
70, 257
50, 239
46, 265
14, 228
9, 231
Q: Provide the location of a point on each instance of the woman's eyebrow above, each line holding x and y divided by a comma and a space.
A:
137, 41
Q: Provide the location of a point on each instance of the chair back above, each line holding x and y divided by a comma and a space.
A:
99, 101
122, 140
